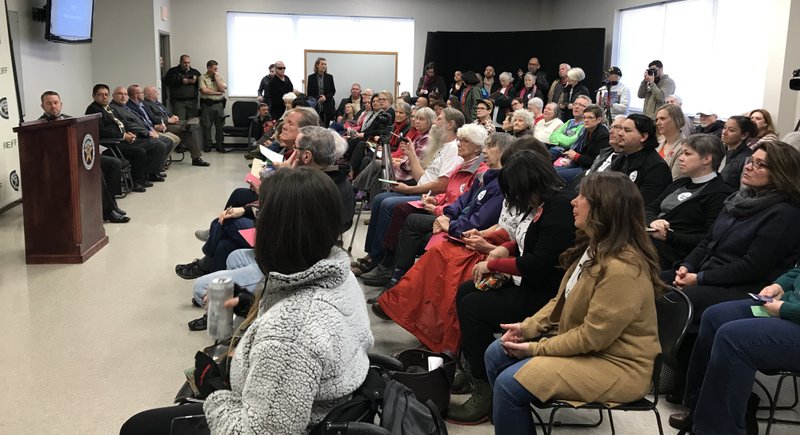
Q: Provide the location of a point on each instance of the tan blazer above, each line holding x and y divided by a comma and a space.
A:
607, 338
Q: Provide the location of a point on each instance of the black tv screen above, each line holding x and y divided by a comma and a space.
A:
69, 20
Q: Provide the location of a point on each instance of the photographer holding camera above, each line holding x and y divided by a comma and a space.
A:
655, 87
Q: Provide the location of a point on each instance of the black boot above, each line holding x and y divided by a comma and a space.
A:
750, 421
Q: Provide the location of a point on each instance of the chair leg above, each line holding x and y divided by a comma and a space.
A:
610, 421
658, 422
355, 226
540, 421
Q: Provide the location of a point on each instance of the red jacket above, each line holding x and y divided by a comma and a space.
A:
424, 301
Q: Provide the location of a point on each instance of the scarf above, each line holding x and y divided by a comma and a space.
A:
747, 202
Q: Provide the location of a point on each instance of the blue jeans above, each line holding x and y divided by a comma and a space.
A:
568, 174
241, 267
511, 401
731, 346
381, 216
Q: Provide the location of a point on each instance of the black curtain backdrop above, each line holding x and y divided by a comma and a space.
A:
510, 51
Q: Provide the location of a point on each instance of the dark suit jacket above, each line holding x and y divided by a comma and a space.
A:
329, 106
109, 129
132, 123
146, 120
157, 112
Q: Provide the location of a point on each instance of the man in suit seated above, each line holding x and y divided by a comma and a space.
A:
136, 105
138, 152
110, 167
165, 122
159, 146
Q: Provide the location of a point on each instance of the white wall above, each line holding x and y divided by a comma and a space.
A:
64, 68
202, 23
123, 50
783, 45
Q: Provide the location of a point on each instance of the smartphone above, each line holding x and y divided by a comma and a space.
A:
388, 181
650, 230
192, 424
759, 298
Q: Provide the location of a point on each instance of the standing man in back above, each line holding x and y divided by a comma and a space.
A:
279, 86
655, 88
182, 81
187, 129
212, 99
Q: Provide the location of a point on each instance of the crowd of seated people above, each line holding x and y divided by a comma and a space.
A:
514, 208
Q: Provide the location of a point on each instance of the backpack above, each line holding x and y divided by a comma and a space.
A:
363, 406
403, 414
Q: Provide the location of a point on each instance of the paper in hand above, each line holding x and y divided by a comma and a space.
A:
272, 156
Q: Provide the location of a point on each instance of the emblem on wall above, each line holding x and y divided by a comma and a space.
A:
13, 178
4, 107
87, 152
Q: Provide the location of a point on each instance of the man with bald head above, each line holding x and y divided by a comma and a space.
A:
157, 147
535, 68
279, 86
187, 130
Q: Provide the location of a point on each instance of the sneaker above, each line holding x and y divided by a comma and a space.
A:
202, 235
190, 270
199, 324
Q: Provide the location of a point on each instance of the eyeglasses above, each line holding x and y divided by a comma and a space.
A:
280, 67
589, 117
757, 164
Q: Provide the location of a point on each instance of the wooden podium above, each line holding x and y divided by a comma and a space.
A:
61, 191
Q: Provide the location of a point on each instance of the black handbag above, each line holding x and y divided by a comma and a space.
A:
427, 385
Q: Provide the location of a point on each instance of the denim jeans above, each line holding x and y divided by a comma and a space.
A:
380, 218
731, 346
241, 267
511, 401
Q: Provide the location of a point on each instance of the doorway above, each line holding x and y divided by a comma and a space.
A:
164, 61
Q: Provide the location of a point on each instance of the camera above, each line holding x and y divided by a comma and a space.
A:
794, 82
652, 71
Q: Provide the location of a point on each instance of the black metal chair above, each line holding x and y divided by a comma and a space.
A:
772, 399
241, 115
126, 174
674, 311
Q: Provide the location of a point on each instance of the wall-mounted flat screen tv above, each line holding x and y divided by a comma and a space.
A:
69, 21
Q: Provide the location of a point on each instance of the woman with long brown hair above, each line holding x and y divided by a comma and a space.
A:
597, 339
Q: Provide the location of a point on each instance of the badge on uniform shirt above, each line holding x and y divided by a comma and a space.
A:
481, 195
461, 188
684, 196
633, 175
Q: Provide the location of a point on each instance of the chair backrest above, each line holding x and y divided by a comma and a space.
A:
241, 111
674, 311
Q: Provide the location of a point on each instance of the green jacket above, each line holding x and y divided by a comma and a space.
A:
790, 283
567, 134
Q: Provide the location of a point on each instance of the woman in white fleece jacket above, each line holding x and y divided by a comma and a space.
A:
306, 352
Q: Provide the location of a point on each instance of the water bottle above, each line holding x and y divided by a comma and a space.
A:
220, 319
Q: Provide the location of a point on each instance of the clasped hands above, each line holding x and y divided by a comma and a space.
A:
513, 342
482, 268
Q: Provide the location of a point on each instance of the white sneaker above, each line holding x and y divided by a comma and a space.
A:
202, 235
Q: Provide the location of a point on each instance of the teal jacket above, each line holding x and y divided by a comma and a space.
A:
790, 283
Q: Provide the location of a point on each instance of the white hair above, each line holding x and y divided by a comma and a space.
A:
525, 115
576, 74
506, 77
340, 144
289, 96
536, 102
475, 133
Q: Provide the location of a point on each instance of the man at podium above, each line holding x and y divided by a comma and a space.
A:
111, 167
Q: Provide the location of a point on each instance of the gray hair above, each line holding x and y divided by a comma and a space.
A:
529, 75
619, 117
499, 140
427, 114
576, 74
289, 96
506, 77
320, 142
525, 115
474, 133
455, 115
404, 107
678, 99
309, 116
707, 145
556, 110
584, 97
536, 102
